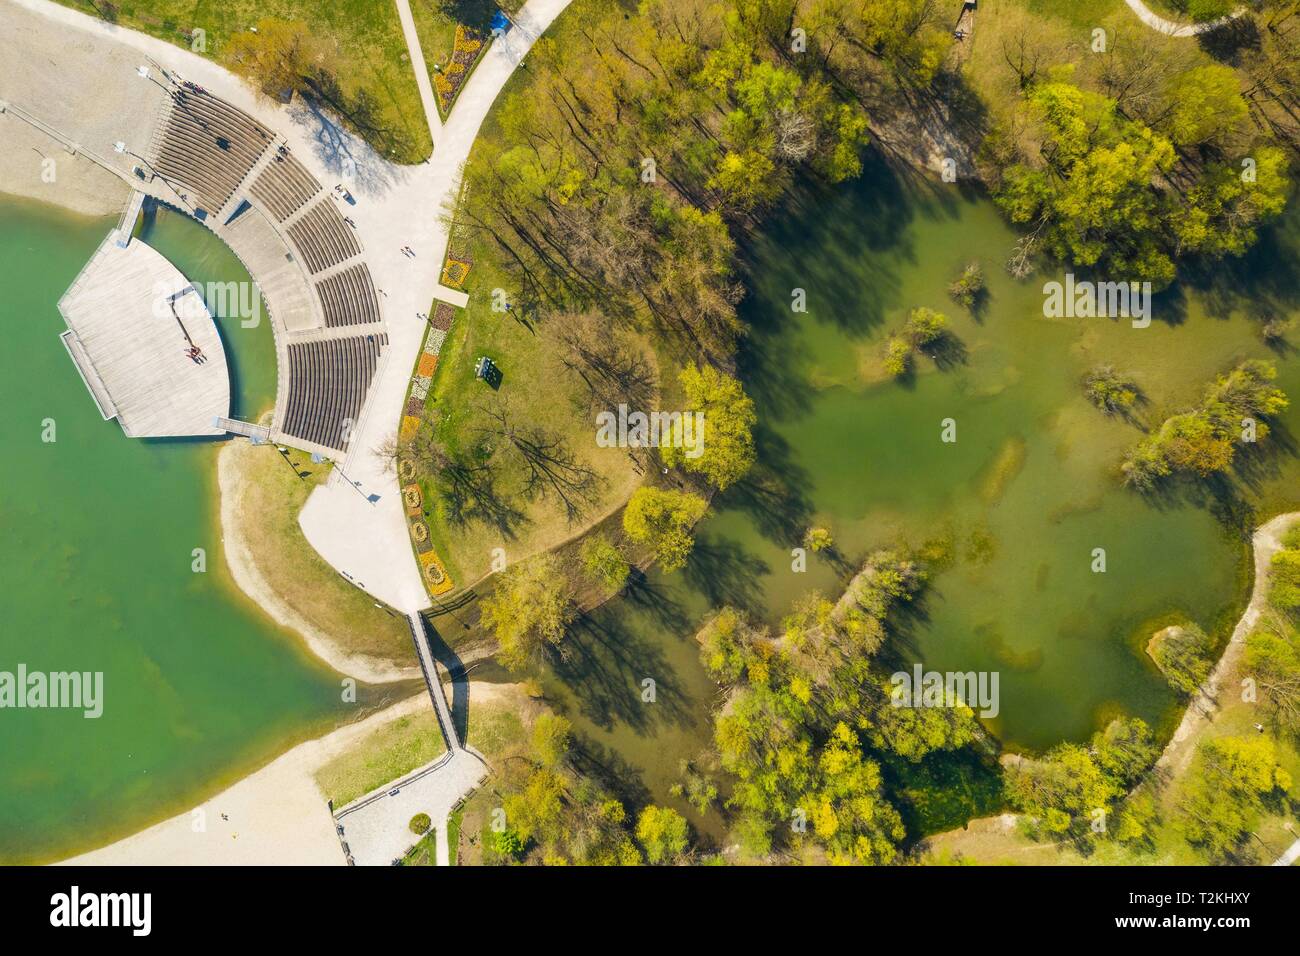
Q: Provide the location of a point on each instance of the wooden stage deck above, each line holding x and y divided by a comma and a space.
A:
132, 317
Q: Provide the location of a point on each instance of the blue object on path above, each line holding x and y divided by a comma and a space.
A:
500, 24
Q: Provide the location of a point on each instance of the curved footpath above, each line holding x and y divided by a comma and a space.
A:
1267, 542
1169, 27
357, 521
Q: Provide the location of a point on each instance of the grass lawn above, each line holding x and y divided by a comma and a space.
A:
424, 853
373, 65
536, 391
453, 835
381, 757
271, 494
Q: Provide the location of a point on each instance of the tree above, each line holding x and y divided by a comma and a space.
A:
968, 288
281, 55
1089, 191
420, 824
1183, 655
1284, 580
818, 539
727, 442
1274, 661
662, 833
550, 739
529, 609
536, 811
604, 562
924, 327
1137, 819
1225, 789
663, 518
1205, 104
1109, 391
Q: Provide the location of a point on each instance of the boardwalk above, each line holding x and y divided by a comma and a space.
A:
133, 321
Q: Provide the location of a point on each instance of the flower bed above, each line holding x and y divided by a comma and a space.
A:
435, 575
467, 48
412, 498
456, 270
443, 313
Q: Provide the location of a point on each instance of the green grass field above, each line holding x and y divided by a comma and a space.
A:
381, 757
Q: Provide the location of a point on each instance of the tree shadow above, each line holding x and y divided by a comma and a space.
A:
726, 574
604, 659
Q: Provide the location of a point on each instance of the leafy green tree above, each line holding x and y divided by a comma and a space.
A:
924, 327
1137, 820
1274, 661
529, 609
1224, 792
968, 287
818, 539
1183, 655
550, 738
1284, 580
604, 562
727, 451
663, 518
420, 824
662, 833
1088, 194
1205, 103
536, 811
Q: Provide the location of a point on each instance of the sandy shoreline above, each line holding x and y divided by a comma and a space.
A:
277, 816
28, 160
250, 579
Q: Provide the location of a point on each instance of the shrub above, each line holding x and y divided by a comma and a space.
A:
969, 286
420, 824
604, 563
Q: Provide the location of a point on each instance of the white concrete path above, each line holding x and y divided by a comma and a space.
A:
357, 523
421, 68
1290, 856
1169, 27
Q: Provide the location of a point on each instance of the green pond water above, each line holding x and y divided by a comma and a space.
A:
97, 533
1019, 502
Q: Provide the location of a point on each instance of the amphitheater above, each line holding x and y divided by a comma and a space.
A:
176, 143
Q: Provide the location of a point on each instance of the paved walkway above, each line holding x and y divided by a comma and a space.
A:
1290, 856
1169, 27
357, 522
421, 68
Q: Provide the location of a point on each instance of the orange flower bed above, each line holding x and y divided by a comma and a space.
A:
427, 363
